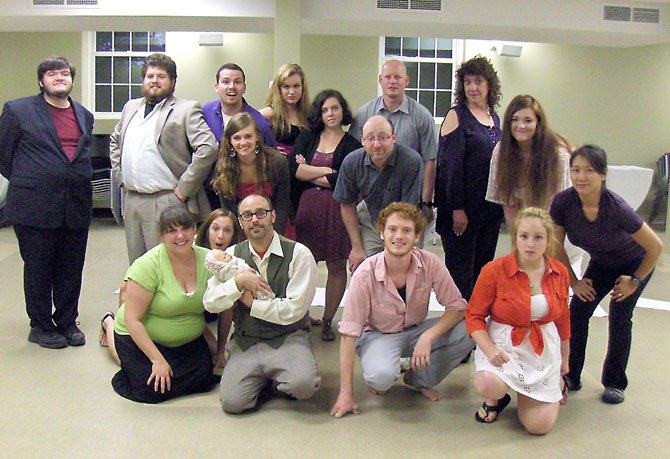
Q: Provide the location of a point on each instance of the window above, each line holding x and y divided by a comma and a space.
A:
430, 67
118, 66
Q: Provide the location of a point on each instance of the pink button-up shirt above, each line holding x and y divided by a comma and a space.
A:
373, 302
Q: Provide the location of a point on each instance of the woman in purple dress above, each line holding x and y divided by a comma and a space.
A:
316, 157
467, 223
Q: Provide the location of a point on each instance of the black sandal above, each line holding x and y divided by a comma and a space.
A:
564, 394
497, 409
102, 339
327, 333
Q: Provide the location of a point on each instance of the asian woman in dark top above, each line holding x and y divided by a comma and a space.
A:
623, 251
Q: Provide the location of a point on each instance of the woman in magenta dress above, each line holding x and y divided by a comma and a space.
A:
247, 166
316, 157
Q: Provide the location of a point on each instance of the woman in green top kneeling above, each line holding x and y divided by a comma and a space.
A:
158, 332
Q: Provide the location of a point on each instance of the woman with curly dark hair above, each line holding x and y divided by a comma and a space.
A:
247, 166
467, 223
530, 164
316, 157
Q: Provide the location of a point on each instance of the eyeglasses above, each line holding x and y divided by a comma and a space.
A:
260, 214
380, 139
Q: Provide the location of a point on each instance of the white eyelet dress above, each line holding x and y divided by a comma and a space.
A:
536, 376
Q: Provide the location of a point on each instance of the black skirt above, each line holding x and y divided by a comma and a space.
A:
191, 367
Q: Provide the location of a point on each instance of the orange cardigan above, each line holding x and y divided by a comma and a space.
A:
502, 291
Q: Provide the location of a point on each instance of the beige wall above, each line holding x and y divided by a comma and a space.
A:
21, 53
348, 64
615, 97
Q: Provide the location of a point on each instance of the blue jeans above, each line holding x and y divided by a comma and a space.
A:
620, 324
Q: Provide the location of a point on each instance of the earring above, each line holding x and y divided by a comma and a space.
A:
258, 149
232, 152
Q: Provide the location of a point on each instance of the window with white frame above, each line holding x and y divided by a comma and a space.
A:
118, 63
430, 66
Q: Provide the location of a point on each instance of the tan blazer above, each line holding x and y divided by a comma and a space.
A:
184, 141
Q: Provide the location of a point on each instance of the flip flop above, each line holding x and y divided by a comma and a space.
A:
564, 394
102, 339
497, 409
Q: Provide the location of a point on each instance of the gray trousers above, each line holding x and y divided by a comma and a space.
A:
381, 352
293, 367
141, 212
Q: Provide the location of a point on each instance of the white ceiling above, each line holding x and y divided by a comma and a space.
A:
551, 21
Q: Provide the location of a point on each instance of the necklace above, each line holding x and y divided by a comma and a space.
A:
532, 287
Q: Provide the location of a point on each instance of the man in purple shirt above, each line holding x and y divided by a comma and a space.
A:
385, 311
230, 86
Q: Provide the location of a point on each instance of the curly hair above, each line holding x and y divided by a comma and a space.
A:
542, 174
404, 210
478, 66
315, 117
227, 177
547, 222
280, 124
162, 61
54, 63
202, 234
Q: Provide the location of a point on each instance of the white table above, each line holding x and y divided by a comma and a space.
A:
630, 182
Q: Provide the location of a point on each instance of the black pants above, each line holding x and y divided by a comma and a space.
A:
53, 262
466, 255
620, 324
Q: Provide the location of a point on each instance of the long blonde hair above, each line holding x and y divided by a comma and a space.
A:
227, 178
280, 124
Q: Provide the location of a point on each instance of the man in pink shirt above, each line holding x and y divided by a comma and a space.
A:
384, 318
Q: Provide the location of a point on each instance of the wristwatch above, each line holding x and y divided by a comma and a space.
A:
635, 280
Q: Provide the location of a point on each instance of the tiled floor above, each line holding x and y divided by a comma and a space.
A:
60, 403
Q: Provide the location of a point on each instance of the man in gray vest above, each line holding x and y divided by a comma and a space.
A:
271, 344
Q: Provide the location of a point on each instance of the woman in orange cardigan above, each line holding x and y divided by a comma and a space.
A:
524, 345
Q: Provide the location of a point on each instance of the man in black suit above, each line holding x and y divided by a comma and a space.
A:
44, 142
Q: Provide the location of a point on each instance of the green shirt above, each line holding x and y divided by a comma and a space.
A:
173, 318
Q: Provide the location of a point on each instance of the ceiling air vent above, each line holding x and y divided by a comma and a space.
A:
65, 3
617, 13
410, 5
630, 14
647, 15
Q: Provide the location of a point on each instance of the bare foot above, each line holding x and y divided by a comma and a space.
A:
102, 339
430, 393
108, 322
381, 393
315, 322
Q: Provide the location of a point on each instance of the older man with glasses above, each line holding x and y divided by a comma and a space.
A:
270, 347
370, 179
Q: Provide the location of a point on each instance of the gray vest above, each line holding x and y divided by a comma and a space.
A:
250, 330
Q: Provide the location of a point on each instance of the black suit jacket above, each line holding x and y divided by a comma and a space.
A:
46, 190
